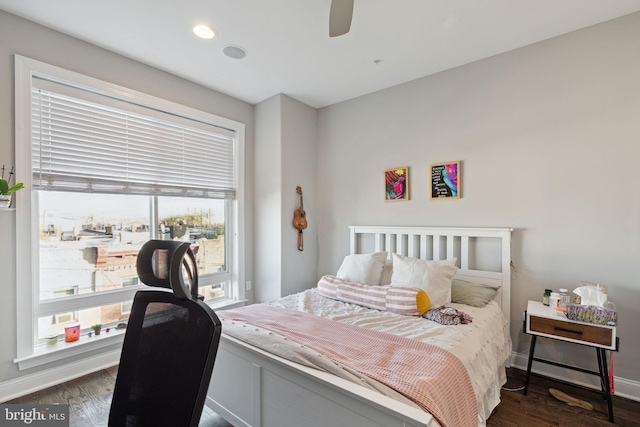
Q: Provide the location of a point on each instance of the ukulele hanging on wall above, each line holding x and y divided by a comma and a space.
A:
300, 220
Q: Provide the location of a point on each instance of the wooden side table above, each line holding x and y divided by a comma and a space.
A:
542, 321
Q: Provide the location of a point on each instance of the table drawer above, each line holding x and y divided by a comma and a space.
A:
572, 330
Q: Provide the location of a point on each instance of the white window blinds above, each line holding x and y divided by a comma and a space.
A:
89, 142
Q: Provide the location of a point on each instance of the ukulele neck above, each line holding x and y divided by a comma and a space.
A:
299, 190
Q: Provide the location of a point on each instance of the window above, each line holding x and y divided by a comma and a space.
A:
108, 169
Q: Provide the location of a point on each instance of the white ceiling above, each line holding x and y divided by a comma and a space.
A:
288, 45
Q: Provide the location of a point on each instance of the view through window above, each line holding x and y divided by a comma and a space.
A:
89, 243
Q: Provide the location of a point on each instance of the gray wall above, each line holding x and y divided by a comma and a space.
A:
18, 36
286, 134
268, 199
299, 163
549, 139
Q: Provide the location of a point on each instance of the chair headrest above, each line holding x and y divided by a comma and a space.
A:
160, 263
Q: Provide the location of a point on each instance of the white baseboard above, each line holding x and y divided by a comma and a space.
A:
623, 387
30, 383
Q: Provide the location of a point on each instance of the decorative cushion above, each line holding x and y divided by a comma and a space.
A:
433, 277
473, 294
398, 299
363, 268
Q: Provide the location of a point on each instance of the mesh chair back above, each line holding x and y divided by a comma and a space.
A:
168, 353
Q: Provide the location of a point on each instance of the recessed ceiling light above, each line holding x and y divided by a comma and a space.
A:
204, 31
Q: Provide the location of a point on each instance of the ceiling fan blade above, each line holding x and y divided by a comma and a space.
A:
340, 16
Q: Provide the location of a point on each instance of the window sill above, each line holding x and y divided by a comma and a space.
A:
43, 353
228, 304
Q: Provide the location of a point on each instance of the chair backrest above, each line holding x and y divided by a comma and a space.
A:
169, 347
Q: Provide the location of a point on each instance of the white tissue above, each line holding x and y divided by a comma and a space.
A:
591, 296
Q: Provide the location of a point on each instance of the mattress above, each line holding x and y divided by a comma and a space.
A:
482, 346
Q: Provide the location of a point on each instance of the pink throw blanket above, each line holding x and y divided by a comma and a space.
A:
430, 376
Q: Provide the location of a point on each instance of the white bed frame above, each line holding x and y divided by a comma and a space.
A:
251, 387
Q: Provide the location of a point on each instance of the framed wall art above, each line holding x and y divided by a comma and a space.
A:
445, 180
396, 184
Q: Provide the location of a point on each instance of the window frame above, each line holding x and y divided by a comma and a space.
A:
28, 354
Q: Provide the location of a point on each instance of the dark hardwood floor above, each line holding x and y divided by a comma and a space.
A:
89, 398
540, 409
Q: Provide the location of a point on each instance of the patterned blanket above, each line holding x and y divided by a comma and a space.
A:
430, 376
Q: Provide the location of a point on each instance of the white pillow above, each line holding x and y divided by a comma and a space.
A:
434, 277
362, 268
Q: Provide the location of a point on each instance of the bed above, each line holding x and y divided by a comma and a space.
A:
278, 384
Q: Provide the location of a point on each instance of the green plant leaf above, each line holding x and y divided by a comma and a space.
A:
18, 186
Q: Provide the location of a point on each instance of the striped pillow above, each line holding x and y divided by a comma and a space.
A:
396, 299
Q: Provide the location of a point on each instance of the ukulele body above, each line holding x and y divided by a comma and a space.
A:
300, 220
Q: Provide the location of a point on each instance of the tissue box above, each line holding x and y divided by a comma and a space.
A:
592, 314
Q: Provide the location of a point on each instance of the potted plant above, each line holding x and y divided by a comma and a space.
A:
97, 328
6, 191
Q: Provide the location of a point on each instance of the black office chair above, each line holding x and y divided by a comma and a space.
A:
170, 344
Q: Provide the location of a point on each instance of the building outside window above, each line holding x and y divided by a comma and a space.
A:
89, 244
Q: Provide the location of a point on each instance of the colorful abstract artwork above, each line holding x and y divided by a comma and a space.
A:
445, 180
396, 184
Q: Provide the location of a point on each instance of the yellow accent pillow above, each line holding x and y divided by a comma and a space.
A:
422, 302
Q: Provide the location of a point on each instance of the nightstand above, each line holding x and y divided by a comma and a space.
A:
542, 321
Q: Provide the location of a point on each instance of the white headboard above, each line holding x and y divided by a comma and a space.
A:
484, 254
